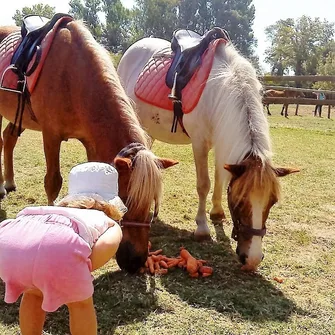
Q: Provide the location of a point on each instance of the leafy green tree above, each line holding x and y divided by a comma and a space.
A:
117, 31
327, 68
156, 18
297, 45
88, 12
161, 17
38, 9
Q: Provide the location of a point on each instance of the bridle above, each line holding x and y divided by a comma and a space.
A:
241, 229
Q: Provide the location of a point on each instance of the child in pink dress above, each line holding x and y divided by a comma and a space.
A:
47, 253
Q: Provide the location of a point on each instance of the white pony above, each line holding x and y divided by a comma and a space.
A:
229, 118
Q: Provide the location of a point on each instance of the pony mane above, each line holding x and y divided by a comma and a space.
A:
145, 185
240, 126
104, 70
258, 177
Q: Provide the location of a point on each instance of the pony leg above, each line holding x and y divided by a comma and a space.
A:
53, 179
217, 214
282, 110
2, 188
268, 109
200, 152
286, 111
10, 139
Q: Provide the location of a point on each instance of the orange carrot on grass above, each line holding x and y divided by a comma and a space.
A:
151, 265
157, 252
191, 263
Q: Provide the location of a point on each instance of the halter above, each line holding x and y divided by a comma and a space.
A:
246, 231
241, 229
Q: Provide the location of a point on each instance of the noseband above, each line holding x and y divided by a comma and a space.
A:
134, 224
245, 231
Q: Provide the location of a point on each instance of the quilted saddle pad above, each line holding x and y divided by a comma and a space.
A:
11, 43
151, 88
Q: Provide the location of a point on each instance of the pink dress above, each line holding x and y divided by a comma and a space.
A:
48, 248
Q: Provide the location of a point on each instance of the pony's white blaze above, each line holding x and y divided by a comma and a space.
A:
255, 254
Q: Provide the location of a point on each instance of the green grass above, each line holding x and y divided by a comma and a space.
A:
299, 248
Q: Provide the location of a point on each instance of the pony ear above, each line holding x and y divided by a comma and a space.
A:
165, 163
282, 172
235, 169
122, 163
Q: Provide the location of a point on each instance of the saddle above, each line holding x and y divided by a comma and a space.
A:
188, 48
27, 57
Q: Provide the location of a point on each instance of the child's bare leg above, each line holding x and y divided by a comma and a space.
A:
32, 316
83, 320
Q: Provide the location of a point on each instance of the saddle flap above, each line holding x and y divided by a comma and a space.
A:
32, 23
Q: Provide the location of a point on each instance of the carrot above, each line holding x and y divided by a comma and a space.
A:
151, 265
173, 263
149, 245
156, 258
163, 264
182, 263
157, 252
162, 271
278, 280
206, 269
194, 274
206, 274
157, 266
191, 263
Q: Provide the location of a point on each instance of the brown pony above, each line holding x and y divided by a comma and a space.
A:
79, 95
282, 94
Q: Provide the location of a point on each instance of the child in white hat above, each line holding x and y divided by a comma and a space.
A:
47, 253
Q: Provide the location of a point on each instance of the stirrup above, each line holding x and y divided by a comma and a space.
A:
9, 68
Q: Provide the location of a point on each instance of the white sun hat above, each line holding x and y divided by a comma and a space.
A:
98, 179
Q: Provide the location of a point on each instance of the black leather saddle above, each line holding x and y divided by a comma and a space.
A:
187, 47
33, 30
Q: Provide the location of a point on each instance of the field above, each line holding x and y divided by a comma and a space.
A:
299, 247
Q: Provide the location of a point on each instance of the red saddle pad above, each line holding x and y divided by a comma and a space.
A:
151, 88
10, 44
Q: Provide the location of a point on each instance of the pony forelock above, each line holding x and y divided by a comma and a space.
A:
145, 185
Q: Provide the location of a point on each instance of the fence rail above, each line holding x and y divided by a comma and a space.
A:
297, 78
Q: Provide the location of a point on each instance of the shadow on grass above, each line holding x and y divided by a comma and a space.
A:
230, 290
119, 299
122, 299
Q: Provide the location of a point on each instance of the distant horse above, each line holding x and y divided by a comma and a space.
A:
79, 95
282, 94
229, 118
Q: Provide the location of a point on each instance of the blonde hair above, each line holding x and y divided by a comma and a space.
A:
91, 202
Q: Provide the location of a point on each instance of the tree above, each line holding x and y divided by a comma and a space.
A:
327, 68
161, 17
156, 18
297, 45
117, 31
88, 12
38, 9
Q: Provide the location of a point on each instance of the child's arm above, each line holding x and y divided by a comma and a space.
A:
106, 246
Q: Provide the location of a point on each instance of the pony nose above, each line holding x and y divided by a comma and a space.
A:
128, 259
243, 258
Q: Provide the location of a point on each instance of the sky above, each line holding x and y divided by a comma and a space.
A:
267, 13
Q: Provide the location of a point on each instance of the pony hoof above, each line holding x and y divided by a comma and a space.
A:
217, 218
202, 236
10, 189
3, 196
